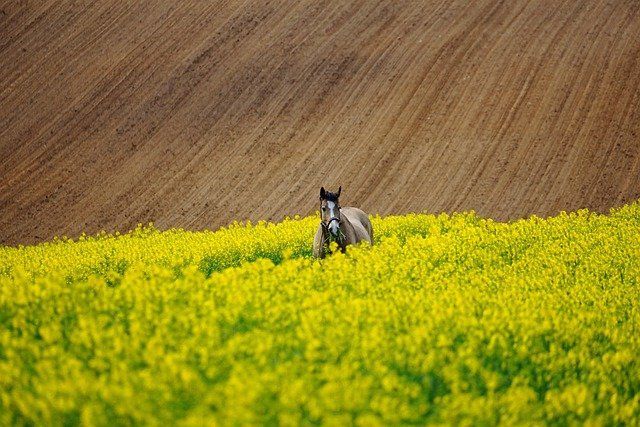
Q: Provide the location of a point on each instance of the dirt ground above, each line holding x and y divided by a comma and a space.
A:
195, 113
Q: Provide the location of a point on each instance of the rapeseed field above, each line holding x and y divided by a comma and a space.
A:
446, 320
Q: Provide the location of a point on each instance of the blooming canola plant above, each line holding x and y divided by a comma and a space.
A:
445, 319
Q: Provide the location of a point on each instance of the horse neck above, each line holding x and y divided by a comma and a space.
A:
346, 228
345, 223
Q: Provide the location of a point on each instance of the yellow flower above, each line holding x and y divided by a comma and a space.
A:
448, 319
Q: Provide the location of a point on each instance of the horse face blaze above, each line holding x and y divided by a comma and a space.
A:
333, 212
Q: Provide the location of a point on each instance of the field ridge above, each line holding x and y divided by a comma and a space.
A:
193, 114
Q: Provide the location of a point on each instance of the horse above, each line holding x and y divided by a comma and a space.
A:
345, 226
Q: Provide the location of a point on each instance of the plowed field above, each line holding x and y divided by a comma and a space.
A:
195, 113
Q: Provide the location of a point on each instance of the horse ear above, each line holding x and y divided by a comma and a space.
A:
339, 190
322, 193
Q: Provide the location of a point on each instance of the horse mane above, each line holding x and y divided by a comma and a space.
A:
331, 197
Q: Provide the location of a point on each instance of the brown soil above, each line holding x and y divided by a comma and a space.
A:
194, 113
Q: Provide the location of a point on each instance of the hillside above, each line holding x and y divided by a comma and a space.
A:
195, 113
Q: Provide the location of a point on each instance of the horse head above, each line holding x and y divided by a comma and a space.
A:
330, 211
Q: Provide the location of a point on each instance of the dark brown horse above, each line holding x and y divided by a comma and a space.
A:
345, 226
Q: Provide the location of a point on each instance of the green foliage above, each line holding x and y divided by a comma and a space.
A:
446, 319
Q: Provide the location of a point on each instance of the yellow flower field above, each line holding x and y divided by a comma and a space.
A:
446, 319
